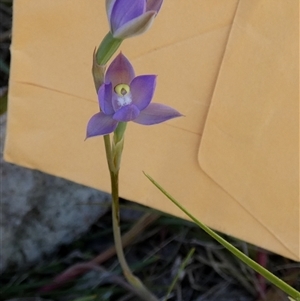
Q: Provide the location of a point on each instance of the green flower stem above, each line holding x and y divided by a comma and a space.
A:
251, 263
141, 290
107, 48
113, 155
119, 131
108, 151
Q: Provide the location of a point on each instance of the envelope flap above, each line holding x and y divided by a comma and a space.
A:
52, 97
250, 144
56, 47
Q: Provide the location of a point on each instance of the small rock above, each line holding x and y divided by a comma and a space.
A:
40, 212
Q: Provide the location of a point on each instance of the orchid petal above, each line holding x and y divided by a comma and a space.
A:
142, 89
120, 71
154, 5
136, 26
100, 124
126, 113
123, 12
109, 4
156, 113
104, 98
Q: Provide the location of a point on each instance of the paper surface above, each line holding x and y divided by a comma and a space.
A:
228, 66
253, 121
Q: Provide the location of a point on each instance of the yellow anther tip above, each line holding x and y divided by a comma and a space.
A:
122, 89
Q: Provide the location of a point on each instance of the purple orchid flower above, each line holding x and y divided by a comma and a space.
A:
124, 97
128, 18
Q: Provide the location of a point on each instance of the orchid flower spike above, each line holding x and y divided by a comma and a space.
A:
125, 97
128, 18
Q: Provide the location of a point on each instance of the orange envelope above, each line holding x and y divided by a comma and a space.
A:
231, 67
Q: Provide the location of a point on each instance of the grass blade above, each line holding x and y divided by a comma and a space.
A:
247, 260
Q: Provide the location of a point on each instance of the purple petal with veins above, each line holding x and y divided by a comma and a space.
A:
100, 124
128, 18
120, 71
142, 89
156, 113
126, 113
125, 11
104, 97
109, 5
135, 26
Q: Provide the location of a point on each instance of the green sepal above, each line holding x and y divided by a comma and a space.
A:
119, 131
98, 72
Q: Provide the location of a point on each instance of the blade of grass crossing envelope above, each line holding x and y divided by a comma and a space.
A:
247, 260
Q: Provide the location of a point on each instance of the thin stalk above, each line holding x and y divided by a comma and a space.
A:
116, 221
247, 260
107, 48
109, 156
180, 270
142, 291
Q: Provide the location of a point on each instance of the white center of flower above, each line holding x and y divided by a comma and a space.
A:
124, 95
124, 100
